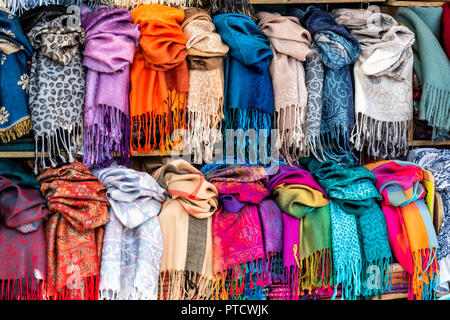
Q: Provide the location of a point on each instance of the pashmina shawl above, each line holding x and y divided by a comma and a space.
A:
431, 65
22, 243
57, 88
133, 242
307, 258
206, 54
186, 224
74, 232
411, 233
159, 79
15, 52
446, 27
361, 252
111, 38
290, 43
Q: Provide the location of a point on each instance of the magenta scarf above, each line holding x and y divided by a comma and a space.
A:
111, 39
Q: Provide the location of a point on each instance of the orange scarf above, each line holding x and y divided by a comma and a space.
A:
159, 78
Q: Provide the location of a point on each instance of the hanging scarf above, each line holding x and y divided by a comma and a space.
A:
185, 218
133, 242
15, 51
74, 232
411, 233
57, 87
332, 88
131, 4
206, 53
361, 253
383, 83
290, 43
22, 244
307, 258
431, 65
111, 38
248, 97
159, 79
446, 27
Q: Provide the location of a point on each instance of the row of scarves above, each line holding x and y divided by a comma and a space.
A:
222, 232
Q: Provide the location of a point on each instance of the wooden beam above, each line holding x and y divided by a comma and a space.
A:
400, 3
308, 1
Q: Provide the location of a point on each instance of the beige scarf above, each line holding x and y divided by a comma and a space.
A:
185, 220
290, 43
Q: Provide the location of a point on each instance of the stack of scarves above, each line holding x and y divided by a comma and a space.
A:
383, 82
206, 54
410, 228
22, 241
307, 254
431, 65
133, 242
15, 52
248, 97
74, 231
360, 245
186, 271
111, 38
290, 43
330, 107
159, 79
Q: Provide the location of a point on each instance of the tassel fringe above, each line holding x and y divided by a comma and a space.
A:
17, 130
22, 289
435, 109
184, 285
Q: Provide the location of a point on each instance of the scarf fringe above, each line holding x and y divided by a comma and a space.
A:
383, 283
22, 289
116, 294
349, 276
89, 290
232, 6
184, 285
17, 130
316, 148
426, 274
335, 144
435, 109
131, 4
316, 270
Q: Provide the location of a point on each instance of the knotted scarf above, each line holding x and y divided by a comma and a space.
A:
74, 232
410, 228
446, 27
186, 219
431, 65
206, 53
15, 51
361, 253
111, 38
159, 79
290, 43
22, 243
133, 242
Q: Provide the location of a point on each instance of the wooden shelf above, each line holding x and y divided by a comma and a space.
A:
419, 143
308, 1
415, 3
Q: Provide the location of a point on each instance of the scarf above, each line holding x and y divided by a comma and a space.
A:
411, 233
329, 82
431, 65
159, 79
446, 27
290, 43
57, 62
15, 52
248, 97
361, 253
22, 242
74, 232
185, 219
383, 83
232, 6
307, 258
133, 242
111, 38
437, 161
131, 4
206, 53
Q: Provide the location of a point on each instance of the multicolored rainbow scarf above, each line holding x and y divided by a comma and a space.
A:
411, 233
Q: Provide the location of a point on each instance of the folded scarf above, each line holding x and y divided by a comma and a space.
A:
133, 242
383, 83
15, 52
22, 243
159, 79
186, 219
56, 72
74, 232
290, 43
446, 27
307, 258
361, 253
248, 97
111, 38
411, 233
431, 65
206, 53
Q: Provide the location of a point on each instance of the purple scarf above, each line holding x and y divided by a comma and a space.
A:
111, 39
